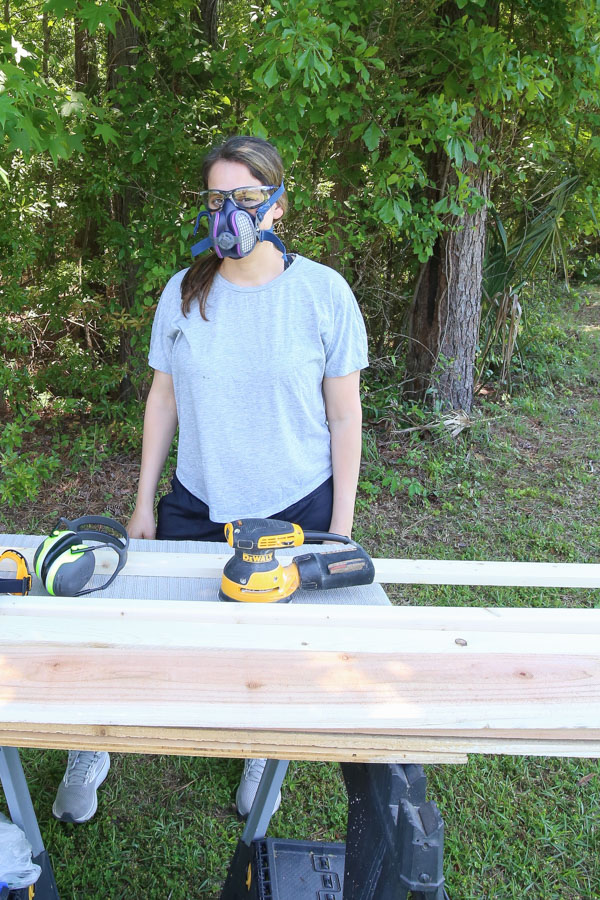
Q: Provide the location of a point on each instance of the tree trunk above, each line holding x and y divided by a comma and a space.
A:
86, 81
206, 16
86, 68
49, 241
446, 308
122, 53
349, 155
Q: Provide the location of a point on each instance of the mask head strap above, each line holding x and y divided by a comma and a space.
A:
262, 210
268, 235
205, 243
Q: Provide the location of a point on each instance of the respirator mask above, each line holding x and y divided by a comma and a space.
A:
234, 219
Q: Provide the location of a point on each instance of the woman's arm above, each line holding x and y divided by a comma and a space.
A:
160, 424
344, 416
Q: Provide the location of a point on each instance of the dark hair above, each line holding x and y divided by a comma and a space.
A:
264, 162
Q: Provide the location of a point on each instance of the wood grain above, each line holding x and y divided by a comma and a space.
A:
334, 746
299, 682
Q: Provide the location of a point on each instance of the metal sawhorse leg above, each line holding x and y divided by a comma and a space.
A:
239, 880
394, 843
22, 813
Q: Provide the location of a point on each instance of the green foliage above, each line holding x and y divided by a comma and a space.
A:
378, 479
547, 349
24, 470
373, 106
68, 252
39, 112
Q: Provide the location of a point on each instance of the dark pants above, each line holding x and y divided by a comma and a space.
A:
182, 517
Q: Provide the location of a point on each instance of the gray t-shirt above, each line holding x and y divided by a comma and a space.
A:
253, 435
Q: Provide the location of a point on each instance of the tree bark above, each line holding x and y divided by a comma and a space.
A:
46, 44
206, 16
50, 252
122, 50
445, 322
86, 68
446, 308
86, 81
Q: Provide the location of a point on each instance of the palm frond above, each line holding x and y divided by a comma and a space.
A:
513, 260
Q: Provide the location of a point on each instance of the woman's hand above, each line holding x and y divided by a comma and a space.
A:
142, 524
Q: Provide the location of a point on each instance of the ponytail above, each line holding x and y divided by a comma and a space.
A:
197, 283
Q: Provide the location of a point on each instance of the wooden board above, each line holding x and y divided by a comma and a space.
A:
317, 746
333, 746
387, 571
299, 682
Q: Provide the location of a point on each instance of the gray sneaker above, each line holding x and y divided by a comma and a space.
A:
246, 792
76, 799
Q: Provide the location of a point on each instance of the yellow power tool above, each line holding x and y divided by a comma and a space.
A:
254, 574
21, 584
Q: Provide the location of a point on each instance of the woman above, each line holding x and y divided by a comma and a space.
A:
257, 358
257, 361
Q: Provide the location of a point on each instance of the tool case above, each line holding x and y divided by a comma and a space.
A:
294, 870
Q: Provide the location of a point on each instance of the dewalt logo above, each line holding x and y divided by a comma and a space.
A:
257, 557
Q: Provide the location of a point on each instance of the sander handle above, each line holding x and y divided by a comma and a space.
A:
314, 537
335, 568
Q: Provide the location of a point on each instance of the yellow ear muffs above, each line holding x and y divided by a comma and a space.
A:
63, 564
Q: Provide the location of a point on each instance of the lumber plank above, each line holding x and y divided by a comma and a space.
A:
181, 636
498, 573
556, 620
220, 688
476, 675
241, 745
317, 746
420, 739
387, 571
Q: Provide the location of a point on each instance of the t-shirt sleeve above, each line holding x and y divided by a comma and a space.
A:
346, 339
164, 327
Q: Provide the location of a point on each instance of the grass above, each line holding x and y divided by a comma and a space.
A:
523, 483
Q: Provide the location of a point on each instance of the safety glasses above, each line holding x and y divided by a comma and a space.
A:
243, 197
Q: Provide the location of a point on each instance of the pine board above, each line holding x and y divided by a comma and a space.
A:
387, 571
222, 679
334, 746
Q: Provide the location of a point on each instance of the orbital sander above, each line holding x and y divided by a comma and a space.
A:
255, 575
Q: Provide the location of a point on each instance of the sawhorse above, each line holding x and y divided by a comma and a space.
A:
22, 813
394, 841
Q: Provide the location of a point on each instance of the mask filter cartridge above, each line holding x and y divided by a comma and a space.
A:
234, 233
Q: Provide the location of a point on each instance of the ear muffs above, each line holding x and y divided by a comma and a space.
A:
64, 563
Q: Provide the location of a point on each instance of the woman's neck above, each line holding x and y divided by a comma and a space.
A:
261, 266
